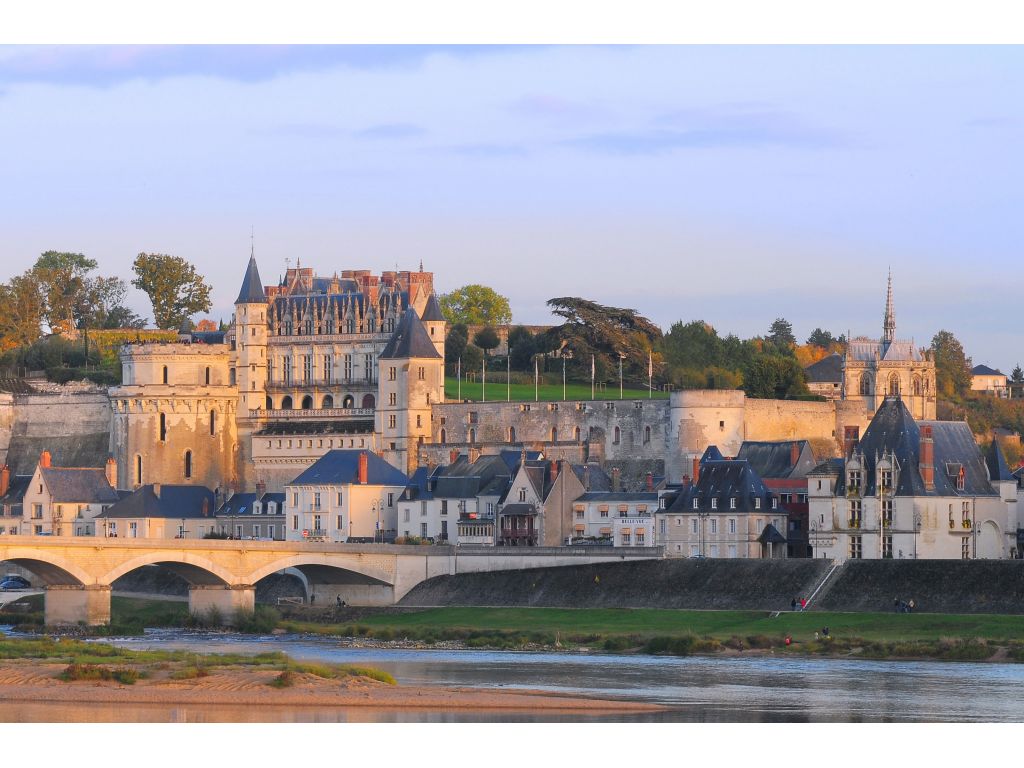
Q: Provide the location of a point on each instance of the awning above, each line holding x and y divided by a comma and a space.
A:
606, 531
580, 528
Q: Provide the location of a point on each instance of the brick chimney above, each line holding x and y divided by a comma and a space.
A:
696, 470
927, 458
794, 453
554, 470
261, 488
453, 456
5, 480
616, 472
111, 472
650, 481
363, 467
851, 436
156, 490
44, 459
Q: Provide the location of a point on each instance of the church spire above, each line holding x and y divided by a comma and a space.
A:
889, 326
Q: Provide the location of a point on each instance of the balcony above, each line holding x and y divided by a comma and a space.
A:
853, 490
337, 382
854, 523
311, 413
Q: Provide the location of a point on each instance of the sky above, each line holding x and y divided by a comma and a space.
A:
730, 184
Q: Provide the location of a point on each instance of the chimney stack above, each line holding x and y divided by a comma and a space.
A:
111, 472
616, 472
156, 490
696, 469
363, 467
453, 456
554, 470
851, 436
927, 458
5, 480
44, 459
650, 481
261, 489
794, 453
206, 507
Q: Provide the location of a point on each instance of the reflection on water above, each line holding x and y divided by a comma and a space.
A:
697, 689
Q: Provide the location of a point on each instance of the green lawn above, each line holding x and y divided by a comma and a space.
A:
498, 390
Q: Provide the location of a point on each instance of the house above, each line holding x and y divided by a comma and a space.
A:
989, 380
257, 515
911, 489
63, 501
783, 466
345, 495
825, 377
615, 518
724, 510
12, 496
157, 511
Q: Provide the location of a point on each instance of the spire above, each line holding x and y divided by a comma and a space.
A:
252, 288
889, 325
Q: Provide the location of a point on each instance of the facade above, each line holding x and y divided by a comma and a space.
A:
609, 517
911, 489
344, 496
64, 501
825, 377
258, 516
989, 380
874, 369
157, 511
725, 511
12, 496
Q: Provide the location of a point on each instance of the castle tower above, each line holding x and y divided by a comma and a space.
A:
434, 322
411, 380
250, 348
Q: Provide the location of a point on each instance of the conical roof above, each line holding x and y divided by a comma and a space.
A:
252, 287
432, 312
410, 339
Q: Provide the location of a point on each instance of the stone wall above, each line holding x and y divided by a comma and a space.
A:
73, 424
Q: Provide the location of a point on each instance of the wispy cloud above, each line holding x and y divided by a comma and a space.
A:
708, 129
391, 131
102, 66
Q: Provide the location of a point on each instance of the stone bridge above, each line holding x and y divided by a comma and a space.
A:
77, 572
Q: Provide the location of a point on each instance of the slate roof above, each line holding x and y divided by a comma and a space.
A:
611, 497
432, 312
771, 535
998, 470
827, 370
16, 490
518, 509
711, 453
894, 430
463, 480
512, 457
341, 467
252, 287
420, 486
410, 339
241, 504
84, 486
174, 502
592, 477
774, 459
724, 480
984, 370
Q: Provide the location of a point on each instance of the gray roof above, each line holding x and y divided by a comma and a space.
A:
828, 369
711, 453
178, 502
432, 312
774, 459
16, 490
410, 339
650, 497
724, 480
342, 468
241, 504
998, 470
84, 486
252, 288
984, 370
771, 535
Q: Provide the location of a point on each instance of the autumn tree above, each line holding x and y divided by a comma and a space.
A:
175, 289
63, 281
952, 366
476, 305
23, 310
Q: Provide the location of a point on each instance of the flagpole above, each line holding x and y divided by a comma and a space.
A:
650, 376
459, 374
620, 376
591, 377
483, 379
563, 377
508, 376
536, 380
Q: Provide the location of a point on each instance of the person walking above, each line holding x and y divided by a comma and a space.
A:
910, 606
803, 603
792, 604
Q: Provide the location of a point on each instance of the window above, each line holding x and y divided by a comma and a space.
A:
522, 494
338, 526
856, 511
255, 531
270, 531
732, 503
617, 436
887, 546
392, 421
865, 384
138, 470
421, 373
695, 503
392, 398
757, 503
886, 479
695, 524
339, 499
714, 503
37, 511
238, 531
188, 465
721, 426
853, 481
647, 434
604, 511
163, 428
208, 367
625, 538
213, 422
714, 525
419, 421
732, 525
328, 368
316, 501
856, 552
295, 522
391, 499
662, 526
887, 513
392, 373
165, 374
472, 435
965, 548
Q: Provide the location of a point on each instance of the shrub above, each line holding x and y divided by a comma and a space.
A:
123, 675
259, 622
190, 673
284, 680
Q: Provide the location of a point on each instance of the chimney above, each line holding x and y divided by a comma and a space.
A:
206, 507
5, 480
650, 482
453, 456
111, 472
615, 479
44, 459
586, 477
851, 436
554, 470
696, 469
927, 458
794, 453
156, 490
363, 464
261, 488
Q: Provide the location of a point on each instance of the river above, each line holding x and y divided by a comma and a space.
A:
694, 689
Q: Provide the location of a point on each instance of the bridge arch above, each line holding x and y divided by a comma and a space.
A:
52, 570
316, 568
196, 570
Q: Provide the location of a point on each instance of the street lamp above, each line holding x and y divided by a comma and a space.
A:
917, 529
621, 356
566, 355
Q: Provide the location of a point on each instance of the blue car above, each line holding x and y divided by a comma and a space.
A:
14, 582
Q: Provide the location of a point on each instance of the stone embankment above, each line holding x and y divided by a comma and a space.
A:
936, 586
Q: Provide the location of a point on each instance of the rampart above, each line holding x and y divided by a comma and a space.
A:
72, 423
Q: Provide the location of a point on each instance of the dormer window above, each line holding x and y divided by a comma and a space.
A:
775, 503
960, 479
695, 503
257, 508
714, 503
853, 480
886, 479
757, 503
522, 494
732, 503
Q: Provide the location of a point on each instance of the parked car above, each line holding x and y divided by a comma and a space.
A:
14, 582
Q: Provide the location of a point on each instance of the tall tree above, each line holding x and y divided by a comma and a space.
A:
174, 287
487, 339
521, 348
952, 366
23, 310
774, 376
1017, 374
454, 345
820, 338
476, 305
780, 334
63, 279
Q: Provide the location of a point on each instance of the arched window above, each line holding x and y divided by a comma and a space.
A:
369, 401
286, 403
348, 402
647, 434
917, 386
617, 435
554, 434
865, 384
213, 422
165, 374
894, 384
576, 434
511, 434
307, 402
472, 436
207, 375
188, 465
163, 427
138, 470
444, 437
328, 402
270, 403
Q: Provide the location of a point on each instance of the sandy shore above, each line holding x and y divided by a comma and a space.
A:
34, 681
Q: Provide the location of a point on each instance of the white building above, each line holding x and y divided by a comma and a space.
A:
64, 501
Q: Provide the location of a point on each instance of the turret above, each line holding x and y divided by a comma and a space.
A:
433, 320
251, 342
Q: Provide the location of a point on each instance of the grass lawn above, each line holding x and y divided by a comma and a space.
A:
497, 391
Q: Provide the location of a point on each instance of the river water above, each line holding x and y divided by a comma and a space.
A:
694, 689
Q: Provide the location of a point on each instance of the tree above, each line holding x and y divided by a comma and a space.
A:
1017, 374
454, 345
63, 280
487, 339
521, 348
174, 287
476, 305
820, 338
774, 376
780, 334
23, 309
952, 366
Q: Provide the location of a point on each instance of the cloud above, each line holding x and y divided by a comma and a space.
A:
391, 131
554, 107
723, 128
103, 66
484, 150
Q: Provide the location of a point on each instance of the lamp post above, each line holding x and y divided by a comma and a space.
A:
566, 355
917, 529
621, 356
702, 514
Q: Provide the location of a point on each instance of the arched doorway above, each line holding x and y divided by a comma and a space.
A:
328, 402
369, 401
307, 402
286, 403
348, 402
989, 541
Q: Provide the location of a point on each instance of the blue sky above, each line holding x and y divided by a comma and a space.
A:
731, 184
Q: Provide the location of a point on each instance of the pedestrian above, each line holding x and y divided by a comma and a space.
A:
910, 606
824, 631
815, 636
792, 604
803, 603
312, 598
789, 640
338, 601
